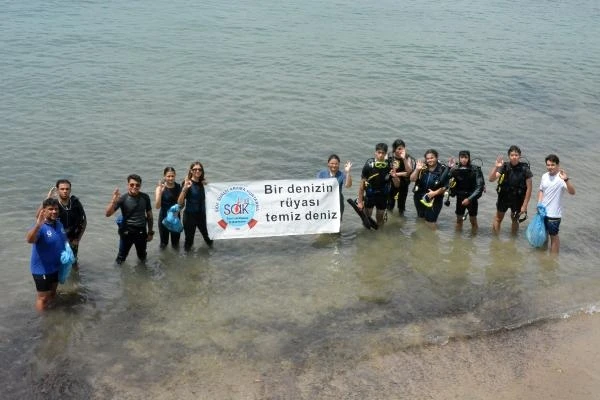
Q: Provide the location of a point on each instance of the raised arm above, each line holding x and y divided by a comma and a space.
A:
112, 206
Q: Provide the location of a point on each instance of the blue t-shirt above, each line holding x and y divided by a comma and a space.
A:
45, 252
339, 175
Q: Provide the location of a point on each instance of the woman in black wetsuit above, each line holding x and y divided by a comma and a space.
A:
194, 213
166, 195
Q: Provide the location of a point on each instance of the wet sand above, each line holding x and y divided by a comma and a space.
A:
552, 360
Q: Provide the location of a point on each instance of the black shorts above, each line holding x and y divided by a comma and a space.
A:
45, 282
504, 203
473, 207
378, 201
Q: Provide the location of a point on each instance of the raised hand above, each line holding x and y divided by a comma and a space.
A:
499, 162
347, 167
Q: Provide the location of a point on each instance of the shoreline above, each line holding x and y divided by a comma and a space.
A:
550, 360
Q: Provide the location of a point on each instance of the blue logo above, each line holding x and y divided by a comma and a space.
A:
237, 207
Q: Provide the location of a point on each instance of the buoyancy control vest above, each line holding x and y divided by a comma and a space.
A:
467, 182
377, 176
513, 179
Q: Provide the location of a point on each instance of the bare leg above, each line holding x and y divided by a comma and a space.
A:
514, 227
554, 244
43, 300
459, 223
474, 224
497, 221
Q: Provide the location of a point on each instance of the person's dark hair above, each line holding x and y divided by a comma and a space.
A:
398, 143
552, 158
58, 182
51, 201
192, 165
513, 148
333, 156
135, 177
381, 146
431, 151
465, 153
168, 169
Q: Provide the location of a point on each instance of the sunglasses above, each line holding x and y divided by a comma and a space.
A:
135, 185
381, 164
197, 169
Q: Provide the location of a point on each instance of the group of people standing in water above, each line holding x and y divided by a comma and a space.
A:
384, 186
386, 177
136, 224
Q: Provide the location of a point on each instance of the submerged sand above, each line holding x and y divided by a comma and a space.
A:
551, 360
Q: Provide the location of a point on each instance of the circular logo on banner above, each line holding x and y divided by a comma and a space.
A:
237, 207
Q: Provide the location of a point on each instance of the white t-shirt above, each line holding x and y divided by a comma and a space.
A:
553, 188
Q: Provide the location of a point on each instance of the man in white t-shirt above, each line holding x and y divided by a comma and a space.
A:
554, 183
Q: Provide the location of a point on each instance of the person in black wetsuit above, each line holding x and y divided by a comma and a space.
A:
70, 213
375, 180
166, 195
136, 212
431, 180
193, 197
467, 184
403, 164
514, 188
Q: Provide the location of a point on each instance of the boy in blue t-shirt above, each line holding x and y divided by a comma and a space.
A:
48, 239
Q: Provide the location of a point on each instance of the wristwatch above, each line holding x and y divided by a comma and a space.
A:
151, 233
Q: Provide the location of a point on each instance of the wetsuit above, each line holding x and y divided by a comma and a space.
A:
466, 183
512, 186
430, 180
194, 215
400, 193
377, 188
73, 218
167, 200
133, 230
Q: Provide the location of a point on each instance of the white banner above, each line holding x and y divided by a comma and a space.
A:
272, 208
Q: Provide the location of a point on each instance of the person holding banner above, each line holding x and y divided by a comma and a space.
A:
193, 197
333, 171
375, 184
166, 195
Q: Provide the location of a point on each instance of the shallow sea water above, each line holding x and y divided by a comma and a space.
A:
94, 91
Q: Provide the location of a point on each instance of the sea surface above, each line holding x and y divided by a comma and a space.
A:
95, 90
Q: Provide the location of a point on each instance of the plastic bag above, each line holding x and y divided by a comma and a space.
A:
536, 230
172, 221
67, 258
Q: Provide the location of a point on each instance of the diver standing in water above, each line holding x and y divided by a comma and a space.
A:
403, 164
467, 184
514, 188
431, 179
375, 184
